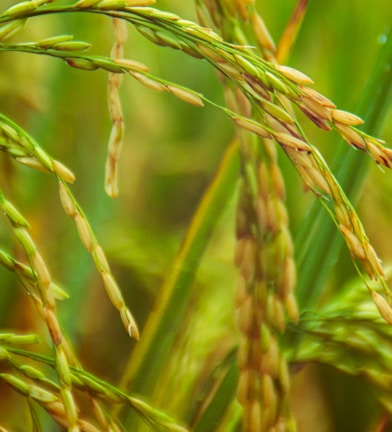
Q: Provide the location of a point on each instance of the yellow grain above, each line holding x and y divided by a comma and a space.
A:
251, 126
129, 323
262, 34
291, 141
317, 97
246, 317
243, 354
262, 216
346, 118
278, 181
294, 75
383, 307
241, 292
277, 112
289, 277
66, 201
342, 215
247, 268
149, 82
62, 171
373, 259
210, 54
319, 180
100, 259
279, 317
32, 163
186, 95
351, 136
270, 360
231, 71
353, 242
41, 270
84, 232
316, 109
380, 154
53, 326
269, 393
243, 389
284, 375
292, 308
113, 290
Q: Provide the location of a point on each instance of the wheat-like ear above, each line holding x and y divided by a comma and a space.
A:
35, 386
263, 253
21, 146
45, 302
89, 241
115, 111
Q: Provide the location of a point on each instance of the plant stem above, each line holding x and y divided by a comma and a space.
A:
166, 317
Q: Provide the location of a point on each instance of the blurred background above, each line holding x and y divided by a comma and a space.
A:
170, 154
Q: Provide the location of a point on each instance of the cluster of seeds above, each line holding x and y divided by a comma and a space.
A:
25, 150
115, 111
89, 241
25, 8
263, 253
45, 302
21, 147
36, 386
278, 124
243, 16
38, 281
72, 52
259, 79
27, 276
268, 86
265, 290
48, 400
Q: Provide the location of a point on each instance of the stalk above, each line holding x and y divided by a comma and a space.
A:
160, 330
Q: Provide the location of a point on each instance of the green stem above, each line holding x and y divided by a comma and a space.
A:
165, 319
222, 397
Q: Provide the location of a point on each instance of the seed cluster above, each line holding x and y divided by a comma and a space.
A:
89, 241
264, 250
35, 385
115, 111
266, 285
265, 291
45, 302
37, 279
20, 146
268, 94
269, 87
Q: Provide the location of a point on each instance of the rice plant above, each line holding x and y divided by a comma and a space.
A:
234, 256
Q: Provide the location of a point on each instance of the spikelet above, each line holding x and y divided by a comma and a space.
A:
186, 95
383, 307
